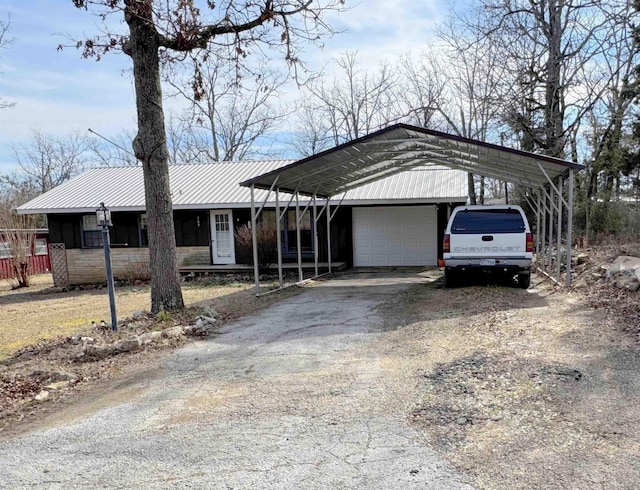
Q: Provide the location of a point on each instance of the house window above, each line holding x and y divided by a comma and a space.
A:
306, 235
144, 235
288, 231
40, 246
5, 250
91, 233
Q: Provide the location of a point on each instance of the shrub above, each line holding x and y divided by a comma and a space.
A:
267, 243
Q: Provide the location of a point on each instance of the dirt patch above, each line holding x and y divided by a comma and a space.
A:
41, 377
41, 312
521, 389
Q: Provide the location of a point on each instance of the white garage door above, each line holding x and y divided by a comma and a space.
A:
395, 236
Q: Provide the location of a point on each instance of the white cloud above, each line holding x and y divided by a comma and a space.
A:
379, 29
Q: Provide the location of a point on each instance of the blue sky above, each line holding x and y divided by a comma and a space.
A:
58, 92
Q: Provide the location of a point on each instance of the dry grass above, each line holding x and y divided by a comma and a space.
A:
521, 389
33, 314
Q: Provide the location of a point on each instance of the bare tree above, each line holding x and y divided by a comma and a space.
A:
465, 85
551, 48
114, 151
355, 103
47, 161
609, 120
609, 117
422, 90
313, 133
167, 30
185, 144
5, 41
235, 107
18, 231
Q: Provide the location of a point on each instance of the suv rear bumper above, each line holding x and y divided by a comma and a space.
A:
519, 264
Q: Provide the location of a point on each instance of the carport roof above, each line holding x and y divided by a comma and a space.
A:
403, 147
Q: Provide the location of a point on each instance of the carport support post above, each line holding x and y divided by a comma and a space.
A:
544, 230
298, 245
559, 232
254, 238
278, 237
328, 212
315, 236
569, 227
549, 261
538, 231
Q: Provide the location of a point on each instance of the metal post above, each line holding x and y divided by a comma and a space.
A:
328, 234
559, 232
315, 236
569, 226
254, 237
538, 234
279, 238
544, 230
298, 244
550, 256
106, 245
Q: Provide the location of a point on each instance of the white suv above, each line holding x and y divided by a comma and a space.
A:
495, 239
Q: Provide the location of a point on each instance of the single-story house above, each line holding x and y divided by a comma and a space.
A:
38, 259
395, 221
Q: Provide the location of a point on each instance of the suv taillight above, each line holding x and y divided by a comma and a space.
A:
446, 244
529, 242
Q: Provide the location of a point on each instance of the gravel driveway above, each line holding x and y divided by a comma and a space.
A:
298, 396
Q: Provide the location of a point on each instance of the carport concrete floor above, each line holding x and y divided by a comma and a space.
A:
294, 397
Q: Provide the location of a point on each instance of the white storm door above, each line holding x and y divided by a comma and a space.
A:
222, 244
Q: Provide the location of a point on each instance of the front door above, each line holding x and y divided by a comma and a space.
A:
222, 245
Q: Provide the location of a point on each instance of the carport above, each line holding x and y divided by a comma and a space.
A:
321, 181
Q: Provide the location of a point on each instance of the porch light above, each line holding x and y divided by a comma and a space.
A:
103, 216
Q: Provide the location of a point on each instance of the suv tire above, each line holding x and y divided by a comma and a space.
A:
451, 278
524, 280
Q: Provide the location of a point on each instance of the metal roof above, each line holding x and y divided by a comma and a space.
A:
122, 188
424, 184
216, 185
403, 147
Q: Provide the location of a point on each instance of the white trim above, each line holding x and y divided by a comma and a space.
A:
5, 250
247, 205
43, 244
231, 259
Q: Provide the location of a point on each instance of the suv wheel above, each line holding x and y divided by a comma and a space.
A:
524, 280
451, 278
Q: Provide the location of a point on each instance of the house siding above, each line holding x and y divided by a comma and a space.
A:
192, 228
87, 265
38, 264
129, 259
242, 217
65, 228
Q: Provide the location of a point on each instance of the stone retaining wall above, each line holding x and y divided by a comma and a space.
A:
87, 265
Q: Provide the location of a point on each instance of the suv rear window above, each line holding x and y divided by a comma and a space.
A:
488, 221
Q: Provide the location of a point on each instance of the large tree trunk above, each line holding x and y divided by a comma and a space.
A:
150, 147
554, 92
471, 186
